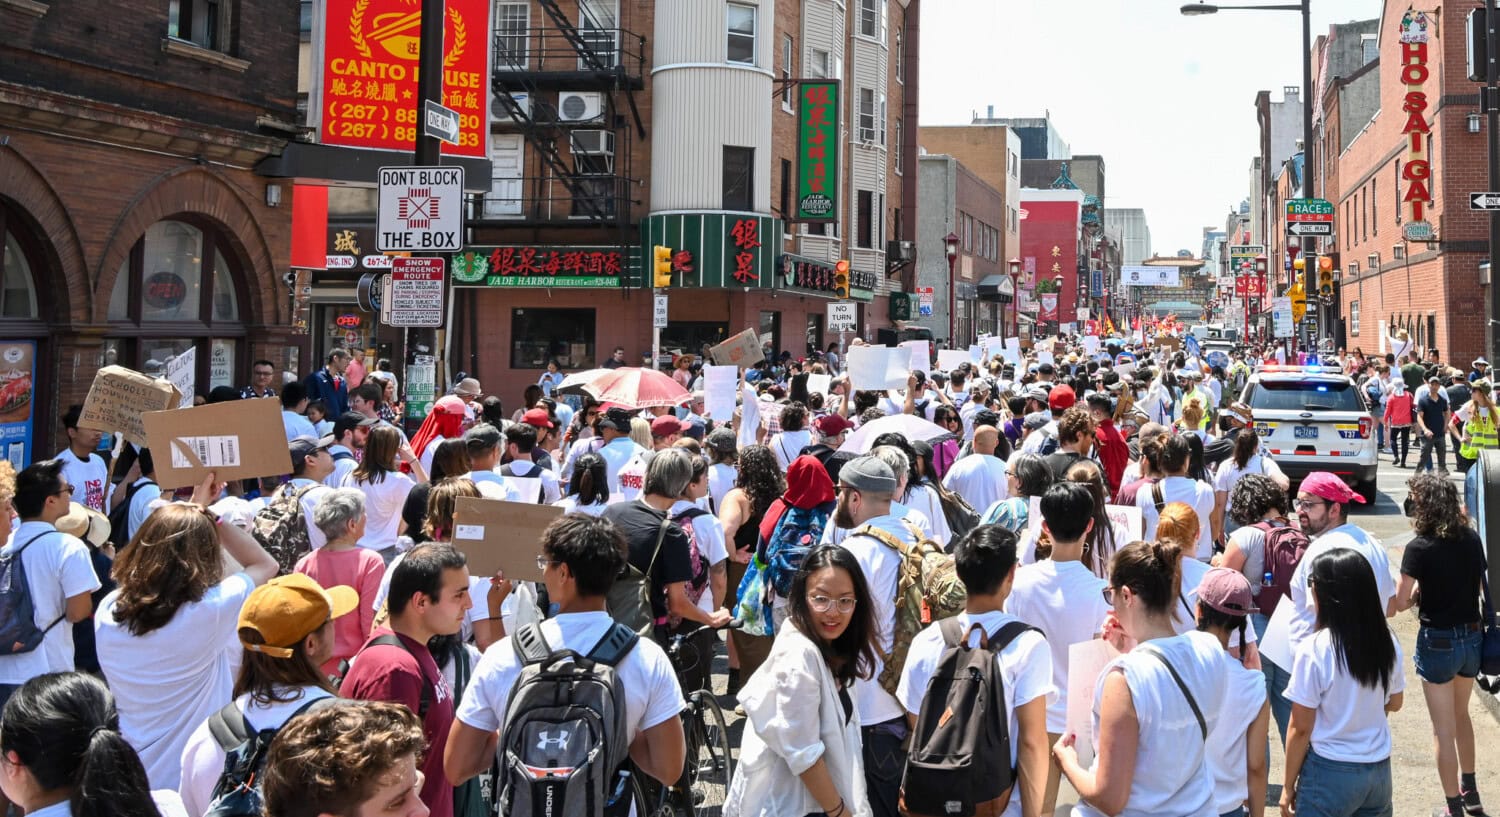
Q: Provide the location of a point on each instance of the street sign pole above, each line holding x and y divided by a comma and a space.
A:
421, 344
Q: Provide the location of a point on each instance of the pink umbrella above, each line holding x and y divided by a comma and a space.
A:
637, 388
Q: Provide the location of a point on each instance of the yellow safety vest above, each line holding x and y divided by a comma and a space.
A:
1481, 433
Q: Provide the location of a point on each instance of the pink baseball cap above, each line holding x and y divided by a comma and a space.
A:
1227, 591
1329, 487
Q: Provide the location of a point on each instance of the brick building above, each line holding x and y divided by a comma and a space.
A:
134, 225
954, 199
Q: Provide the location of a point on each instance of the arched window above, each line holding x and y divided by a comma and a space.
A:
17, 292
178, 289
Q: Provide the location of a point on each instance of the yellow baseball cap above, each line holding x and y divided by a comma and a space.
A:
289, 608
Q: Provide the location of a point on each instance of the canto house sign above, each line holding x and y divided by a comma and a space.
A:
533, 266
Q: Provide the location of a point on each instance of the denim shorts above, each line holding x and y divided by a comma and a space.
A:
1447, 652
1333, 788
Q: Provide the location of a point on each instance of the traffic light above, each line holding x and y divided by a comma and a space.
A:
1325, 276
661, 268
1298, 293
841, 279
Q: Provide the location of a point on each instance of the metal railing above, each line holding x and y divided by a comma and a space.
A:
597, 197
543, 49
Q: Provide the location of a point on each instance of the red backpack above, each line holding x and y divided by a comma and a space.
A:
1283, 552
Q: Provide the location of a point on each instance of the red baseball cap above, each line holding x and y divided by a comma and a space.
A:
832, 425
665, 426
1061, 398
538, 417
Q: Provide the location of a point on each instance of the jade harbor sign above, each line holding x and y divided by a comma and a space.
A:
539, 267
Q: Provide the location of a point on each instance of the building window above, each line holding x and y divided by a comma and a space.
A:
741, 37
869, 17
817, 63
563, 335
788, 50
786, 188
1374, 219
512, 22
865, 235
1354, 317
17, 294
900, 55
867, 115
900, 146
201, 22
879, 217
305, 20
884, 115
739, 167
598, 25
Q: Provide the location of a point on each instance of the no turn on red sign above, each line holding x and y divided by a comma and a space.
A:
417, 292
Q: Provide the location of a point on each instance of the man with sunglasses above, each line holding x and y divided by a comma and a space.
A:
59, 572
1322, 507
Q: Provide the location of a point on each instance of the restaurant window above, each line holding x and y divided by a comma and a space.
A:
740, 42
739, 165
178, 289
540, 335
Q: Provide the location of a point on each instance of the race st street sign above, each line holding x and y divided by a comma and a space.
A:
439, 122
1484, 201
421, 209
1301, 228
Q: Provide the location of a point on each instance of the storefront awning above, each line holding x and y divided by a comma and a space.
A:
997, 288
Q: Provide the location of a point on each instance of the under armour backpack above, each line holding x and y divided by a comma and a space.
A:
18, 630
564, 732
281, 526
797, 532
958, 764
237, 792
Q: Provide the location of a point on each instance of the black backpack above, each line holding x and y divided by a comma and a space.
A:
18, 630
237, 792
959, 762
119, 517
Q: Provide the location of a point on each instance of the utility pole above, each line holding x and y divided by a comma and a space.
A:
1309, 189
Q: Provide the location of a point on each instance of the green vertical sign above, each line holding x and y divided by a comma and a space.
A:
817, 151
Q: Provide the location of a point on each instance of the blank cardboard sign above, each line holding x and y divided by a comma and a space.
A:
240, 439
498, 535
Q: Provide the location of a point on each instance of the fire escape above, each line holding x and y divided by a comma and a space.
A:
570, 92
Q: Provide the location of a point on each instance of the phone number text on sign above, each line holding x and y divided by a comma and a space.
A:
369, 74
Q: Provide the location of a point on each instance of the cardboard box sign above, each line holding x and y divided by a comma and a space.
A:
742, 350
120, 396
499, 535
241, 439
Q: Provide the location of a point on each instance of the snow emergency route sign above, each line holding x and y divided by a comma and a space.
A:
417, 292
421, 209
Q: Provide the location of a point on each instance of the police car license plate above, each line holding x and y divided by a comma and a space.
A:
1305, 432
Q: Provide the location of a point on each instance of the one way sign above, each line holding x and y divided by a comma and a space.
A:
1484, 201
1309, 228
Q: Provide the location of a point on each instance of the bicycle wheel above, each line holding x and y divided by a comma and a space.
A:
710, 764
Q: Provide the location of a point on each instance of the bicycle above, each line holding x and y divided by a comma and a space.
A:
704, 787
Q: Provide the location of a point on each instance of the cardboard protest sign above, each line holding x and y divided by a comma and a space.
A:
878, 368
742, 350
950, 359
182, 372
497, 535
120, 396
240, 439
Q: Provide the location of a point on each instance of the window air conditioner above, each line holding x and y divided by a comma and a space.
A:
574, 106
592, 142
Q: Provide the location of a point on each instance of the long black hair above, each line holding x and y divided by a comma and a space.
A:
1349, 609
66, 731
590, 480
852, 654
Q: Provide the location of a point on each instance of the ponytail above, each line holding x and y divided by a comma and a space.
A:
110, 780
1152, 570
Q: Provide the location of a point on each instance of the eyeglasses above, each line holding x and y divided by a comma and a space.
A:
1109, 594
822, 604
1299, 503
542, 562
66, 489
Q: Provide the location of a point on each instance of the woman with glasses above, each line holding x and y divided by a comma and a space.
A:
1155, 705
1026, 476
801, 753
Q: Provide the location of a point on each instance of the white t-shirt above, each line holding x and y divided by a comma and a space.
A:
526, 469
341, 466
296, 425
203, 759
493, 486
1227, 750
1350, 724
171, 679
1171, 775
834, 535
383, 503
58, 567
709, 534
1304, 617
616, 454
631, 479
786, 445
89, 478
1065, 600
721, 478
1229, 473
652, 695
1180, 489
1025, 668
140, 504
881, 566
1184, 613
979, 479
570, 505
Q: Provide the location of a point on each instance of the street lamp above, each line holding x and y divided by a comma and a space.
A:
1262, 266
1057, 286
1015, 293
951, 243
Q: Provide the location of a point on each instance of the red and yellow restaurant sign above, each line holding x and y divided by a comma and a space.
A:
369, 74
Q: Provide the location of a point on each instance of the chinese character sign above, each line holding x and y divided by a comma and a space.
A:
817, 151
745, 238
368, 78
1418, 170
522, 266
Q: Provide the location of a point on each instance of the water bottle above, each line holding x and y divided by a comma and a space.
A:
1266, 581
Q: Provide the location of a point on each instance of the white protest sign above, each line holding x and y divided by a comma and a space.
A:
1045, 356
719, 391
1275, 643
950, 359
878, 368
182, 372
1086, 662
976, 354
1027, 548
1090, 345
819, 384
1012, 351
1127, 523
749, 416
920, 355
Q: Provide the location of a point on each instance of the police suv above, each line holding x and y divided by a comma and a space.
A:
1312, 418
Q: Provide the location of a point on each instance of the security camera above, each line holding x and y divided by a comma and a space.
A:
289, 278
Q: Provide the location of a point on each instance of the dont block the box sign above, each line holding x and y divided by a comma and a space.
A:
421, 209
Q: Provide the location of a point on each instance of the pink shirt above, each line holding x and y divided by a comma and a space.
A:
359, 568
354, 373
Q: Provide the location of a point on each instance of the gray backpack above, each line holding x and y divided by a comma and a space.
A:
564, 732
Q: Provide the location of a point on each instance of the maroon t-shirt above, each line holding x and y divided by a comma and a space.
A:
389, 673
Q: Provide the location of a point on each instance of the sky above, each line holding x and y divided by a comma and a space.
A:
1167, 100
